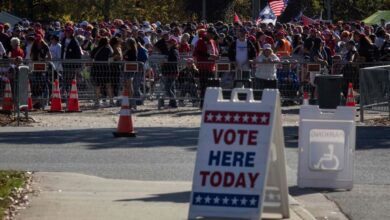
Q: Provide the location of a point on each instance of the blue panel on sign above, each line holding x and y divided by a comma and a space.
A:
225, 200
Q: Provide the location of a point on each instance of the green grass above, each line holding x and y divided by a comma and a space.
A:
8, 181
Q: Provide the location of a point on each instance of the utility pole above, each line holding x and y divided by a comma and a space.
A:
255, 8
328, 10
203, 9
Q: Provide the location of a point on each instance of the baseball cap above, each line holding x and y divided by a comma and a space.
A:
172, 41
267, 47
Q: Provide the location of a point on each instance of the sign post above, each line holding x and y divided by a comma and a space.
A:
240, 164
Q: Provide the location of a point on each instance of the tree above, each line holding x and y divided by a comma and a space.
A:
183, 10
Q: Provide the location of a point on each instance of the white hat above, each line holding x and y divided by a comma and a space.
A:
84, 23
267, 47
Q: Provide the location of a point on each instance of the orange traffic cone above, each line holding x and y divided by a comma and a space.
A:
125, 124
29, 99
7, 100
73, 101
56, 98
350, 98
305, 98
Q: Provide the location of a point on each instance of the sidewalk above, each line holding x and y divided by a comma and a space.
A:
64, 196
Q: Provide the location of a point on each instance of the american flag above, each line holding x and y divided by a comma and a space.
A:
278, 6
266, 16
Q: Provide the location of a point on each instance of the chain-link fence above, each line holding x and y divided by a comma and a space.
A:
179, 83
375, 90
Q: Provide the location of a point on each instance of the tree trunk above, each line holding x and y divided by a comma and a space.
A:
107, 10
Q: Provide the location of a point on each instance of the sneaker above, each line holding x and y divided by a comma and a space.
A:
97, 104
37, 106
181, 104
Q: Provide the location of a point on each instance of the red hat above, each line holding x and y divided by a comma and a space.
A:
173, 41
69, 29
252, 38
38, 37
202, 33
39, 32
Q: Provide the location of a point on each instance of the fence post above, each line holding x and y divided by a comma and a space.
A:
388, 95
361, 102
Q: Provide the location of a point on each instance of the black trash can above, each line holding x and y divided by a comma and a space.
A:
329, 90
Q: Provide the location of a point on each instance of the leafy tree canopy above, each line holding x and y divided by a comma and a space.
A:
169, 10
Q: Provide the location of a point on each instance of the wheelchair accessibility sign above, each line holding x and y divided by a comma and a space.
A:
326, 149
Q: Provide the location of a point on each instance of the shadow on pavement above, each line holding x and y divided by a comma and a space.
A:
102, 138
296, 191
173, 113
179, 197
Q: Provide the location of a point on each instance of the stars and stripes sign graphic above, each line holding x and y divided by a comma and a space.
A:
278, 6
231, 117
225, 200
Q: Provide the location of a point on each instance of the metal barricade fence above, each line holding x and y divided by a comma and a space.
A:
161, 80
96, 81
186, 82
351, 72
375, 90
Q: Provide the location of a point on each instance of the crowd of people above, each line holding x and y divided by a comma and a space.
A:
201, 43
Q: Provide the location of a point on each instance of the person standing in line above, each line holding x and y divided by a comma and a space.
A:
70, 50
39, 82
170, 72
205, 54
101, 70
116, 67
241, 52
265, 75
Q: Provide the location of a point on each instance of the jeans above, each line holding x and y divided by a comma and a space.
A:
170, 90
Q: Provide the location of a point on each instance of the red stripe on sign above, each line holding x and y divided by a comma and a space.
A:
227, 117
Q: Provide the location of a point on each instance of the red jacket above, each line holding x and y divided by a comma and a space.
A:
203, 49
18, 52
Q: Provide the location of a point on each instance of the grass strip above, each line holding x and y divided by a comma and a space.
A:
9, 180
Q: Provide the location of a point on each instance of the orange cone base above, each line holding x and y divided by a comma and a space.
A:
73, 106
124, 134
29, 104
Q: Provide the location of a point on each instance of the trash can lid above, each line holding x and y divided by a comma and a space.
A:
329, 76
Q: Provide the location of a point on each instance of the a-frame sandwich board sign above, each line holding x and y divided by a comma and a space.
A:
240, 169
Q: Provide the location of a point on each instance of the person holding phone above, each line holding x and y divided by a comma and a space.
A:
265, 75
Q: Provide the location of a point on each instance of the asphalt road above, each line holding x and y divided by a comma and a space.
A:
163, 153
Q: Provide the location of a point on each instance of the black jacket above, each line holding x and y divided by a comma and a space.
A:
5, 40
171, 68
251, 51
72, 51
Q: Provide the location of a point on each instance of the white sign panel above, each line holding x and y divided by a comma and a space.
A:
326, 148
232, 159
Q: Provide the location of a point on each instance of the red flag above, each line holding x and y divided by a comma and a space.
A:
236, 19
307, 21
